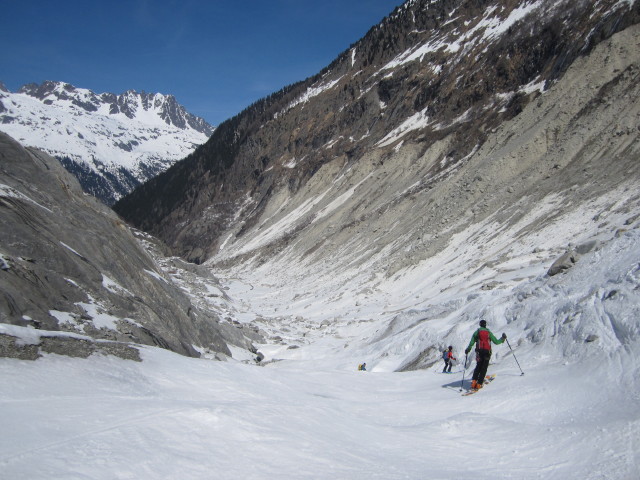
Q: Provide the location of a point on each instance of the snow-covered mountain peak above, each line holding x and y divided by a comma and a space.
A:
112, 143
147, 108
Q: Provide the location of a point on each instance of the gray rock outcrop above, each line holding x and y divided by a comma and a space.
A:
565, 262
75, 280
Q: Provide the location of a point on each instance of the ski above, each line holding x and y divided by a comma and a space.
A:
487, 380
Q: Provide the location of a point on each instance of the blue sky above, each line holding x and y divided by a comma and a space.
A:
216, 56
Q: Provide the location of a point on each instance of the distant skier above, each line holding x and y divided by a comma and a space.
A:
482, 337
448, 358
362, 367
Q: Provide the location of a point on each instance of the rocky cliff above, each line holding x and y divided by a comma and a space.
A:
75, 280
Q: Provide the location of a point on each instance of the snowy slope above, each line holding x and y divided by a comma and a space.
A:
573, 414
122, 140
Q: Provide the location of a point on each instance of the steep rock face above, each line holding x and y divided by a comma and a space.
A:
75, 280
111, 143
354, 229
397, 114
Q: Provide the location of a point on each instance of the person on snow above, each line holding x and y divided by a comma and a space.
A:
448, 358
483, 338
362, 367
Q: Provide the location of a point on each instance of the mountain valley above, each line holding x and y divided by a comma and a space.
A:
464, 161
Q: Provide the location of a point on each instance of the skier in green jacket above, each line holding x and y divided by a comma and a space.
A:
482, 337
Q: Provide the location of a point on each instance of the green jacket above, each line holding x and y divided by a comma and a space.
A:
474, 338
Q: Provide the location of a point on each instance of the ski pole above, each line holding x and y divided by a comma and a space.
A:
514, 357
464, 367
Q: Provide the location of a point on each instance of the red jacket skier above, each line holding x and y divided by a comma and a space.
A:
483, 339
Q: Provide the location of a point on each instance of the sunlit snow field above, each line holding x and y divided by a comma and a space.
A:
174, 417
308, 414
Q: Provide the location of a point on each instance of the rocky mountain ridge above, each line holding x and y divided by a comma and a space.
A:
393, 125
111, 143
